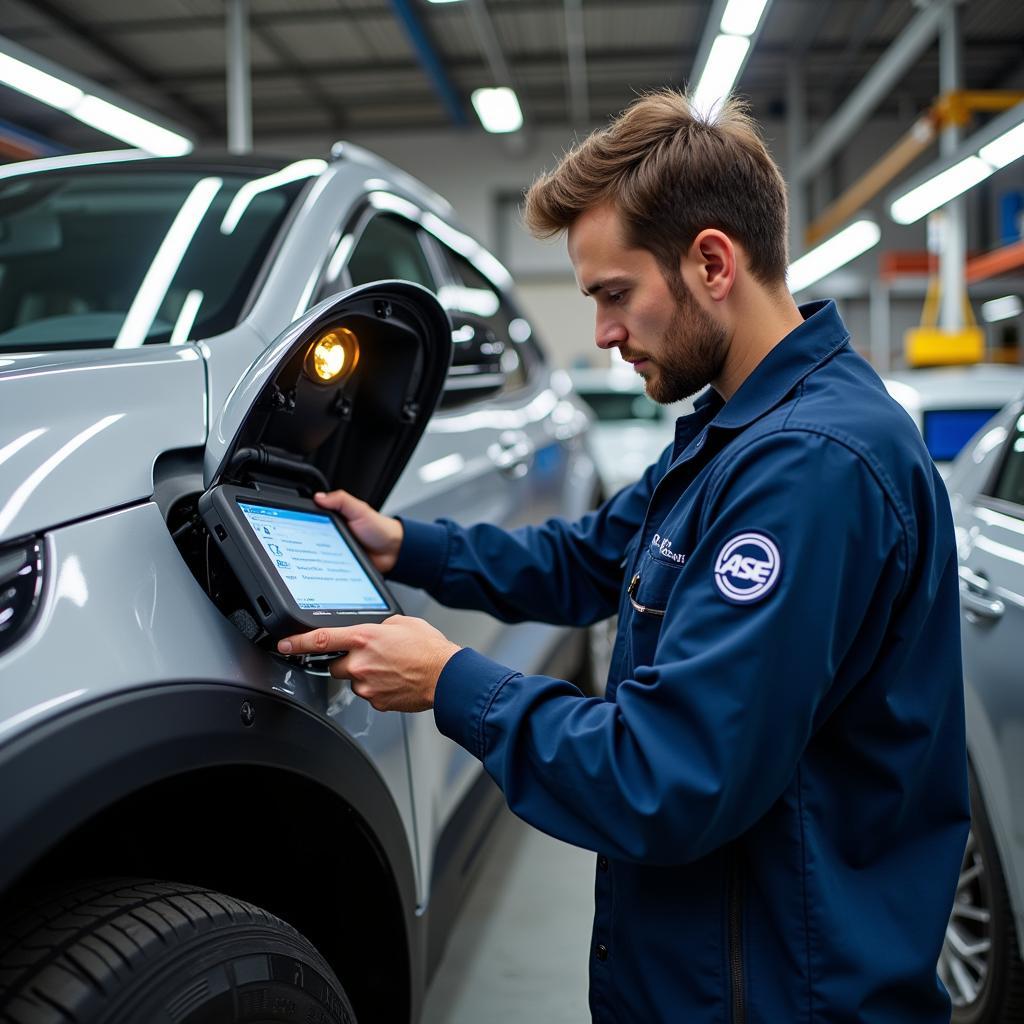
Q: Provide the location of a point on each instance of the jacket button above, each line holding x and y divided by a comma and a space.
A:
601, 953
602, 862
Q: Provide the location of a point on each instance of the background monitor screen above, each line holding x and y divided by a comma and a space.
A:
313, 558
946, 431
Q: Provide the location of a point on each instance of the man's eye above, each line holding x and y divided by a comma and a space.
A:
615, 297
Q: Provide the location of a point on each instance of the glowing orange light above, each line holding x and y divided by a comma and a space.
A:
333, 354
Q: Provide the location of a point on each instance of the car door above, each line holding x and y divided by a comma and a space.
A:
990, 533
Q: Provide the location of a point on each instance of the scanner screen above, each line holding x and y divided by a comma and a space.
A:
313, 558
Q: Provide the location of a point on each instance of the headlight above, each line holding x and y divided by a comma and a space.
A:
21, 584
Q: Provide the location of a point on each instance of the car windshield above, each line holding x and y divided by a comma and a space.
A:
622, 405
94, 258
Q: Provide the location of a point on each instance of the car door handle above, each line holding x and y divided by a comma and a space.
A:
512, 453
974, 589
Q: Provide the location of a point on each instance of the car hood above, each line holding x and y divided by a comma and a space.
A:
80, 431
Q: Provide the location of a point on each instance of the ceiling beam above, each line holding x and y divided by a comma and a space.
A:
488, 39
430, 60
295, 68
576, 62
901, 55
189, 22
1005, 53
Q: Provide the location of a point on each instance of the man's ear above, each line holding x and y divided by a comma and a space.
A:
713, 256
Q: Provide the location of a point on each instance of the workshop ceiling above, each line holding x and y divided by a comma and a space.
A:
342, 67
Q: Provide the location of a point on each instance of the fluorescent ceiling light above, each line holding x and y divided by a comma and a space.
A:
1005, 149
38, 84
1001, 309
498, 109
994, 146
832, 254
130, 128
937, 191
245, 195
742, 17
106, 117
720, 72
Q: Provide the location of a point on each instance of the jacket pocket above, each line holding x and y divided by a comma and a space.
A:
649, 591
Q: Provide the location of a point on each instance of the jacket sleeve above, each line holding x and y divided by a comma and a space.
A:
567, 573
706, 736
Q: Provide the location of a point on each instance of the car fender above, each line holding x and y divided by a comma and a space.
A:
76, 764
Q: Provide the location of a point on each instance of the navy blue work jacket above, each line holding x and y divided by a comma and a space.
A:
775, 783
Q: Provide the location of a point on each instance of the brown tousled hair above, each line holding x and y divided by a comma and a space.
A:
672, 173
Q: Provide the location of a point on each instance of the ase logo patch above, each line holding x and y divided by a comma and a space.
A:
747, 567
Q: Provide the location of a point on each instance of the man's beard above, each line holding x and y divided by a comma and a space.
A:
693, 352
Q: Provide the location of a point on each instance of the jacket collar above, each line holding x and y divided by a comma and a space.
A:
804, 349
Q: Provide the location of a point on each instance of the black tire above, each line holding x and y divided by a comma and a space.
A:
147, 952
1000, 991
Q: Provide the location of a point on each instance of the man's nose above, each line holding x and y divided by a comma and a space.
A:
609, 332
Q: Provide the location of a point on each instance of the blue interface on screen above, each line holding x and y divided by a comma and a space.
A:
946, 431
313, 559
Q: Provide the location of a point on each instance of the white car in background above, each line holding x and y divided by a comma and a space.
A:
950, 404
631, 430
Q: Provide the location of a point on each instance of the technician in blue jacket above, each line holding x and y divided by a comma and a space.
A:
775, 783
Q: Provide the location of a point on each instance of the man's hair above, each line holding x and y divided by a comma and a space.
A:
672, 173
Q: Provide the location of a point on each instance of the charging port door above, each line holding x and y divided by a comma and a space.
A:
340, 398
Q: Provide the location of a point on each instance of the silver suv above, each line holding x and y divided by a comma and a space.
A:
981, 961
192, 827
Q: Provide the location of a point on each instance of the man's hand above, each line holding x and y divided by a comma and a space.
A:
394, 665
380, 536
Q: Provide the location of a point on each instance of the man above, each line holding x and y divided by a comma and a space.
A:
775, 783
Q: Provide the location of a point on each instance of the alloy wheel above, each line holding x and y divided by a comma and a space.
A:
964, 962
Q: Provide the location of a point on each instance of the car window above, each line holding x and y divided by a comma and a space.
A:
473, 294
93, 260
389, 248
1008, 484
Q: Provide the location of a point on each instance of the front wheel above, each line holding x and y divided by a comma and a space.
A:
146, 952
980, 963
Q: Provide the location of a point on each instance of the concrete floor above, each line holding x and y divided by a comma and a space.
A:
520, 946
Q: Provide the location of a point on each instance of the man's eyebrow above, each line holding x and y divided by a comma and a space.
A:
611, 282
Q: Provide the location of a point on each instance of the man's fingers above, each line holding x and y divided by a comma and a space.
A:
339, 501
321, 641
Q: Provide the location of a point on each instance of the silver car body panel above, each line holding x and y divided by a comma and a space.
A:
79, 435
990, 543
128, 614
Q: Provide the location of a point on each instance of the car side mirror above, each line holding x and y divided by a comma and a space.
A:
476, 366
